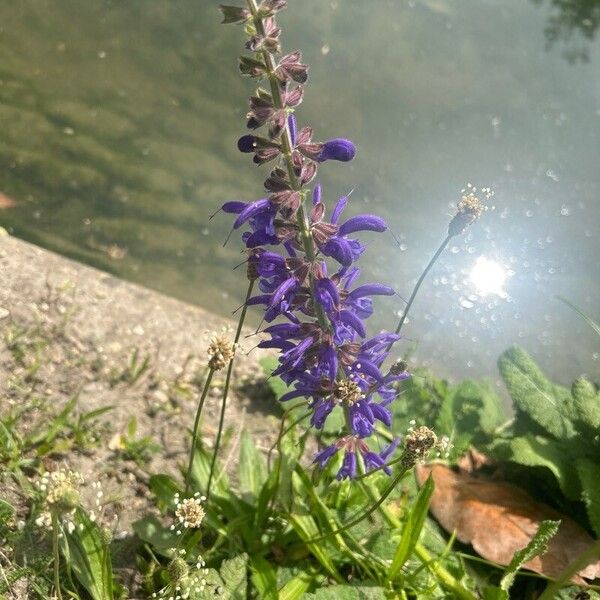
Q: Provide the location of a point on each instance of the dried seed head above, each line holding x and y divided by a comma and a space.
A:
347, 391
220, 352
418, 443
468, 209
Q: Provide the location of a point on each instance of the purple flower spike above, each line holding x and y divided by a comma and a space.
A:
337, 149
246, 143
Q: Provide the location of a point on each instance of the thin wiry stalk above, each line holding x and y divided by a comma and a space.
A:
238, 334
415, 291
188, 476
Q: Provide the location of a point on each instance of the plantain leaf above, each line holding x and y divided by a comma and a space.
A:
252, 468
589, 474
89, 557
264, 578
535, 395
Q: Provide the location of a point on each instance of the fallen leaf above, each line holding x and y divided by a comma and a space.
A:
6, 201
473, 460
498, 519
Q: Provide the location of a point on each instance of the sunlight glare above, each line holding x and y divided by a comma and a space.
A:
488, 277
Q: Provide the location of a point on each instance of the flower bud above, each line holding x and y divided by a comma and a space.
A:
337, 149
177, 569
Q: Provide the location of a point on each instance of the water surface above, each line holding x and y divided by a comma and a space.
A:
119, 122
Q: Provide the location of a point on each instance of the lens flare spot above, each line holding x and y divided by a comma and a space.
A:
488, 277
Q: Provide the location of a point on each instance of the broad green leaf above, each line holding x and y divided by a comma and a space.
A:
589, 475
252, 468
201, 472
164, 487
89, 557
532, 393
538, 451
586, 405
161, 538
537, 546
234, 573
296, 588
412, 528
264, 578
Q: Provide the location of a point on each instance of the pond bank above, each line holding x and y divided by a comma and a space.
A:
70, 331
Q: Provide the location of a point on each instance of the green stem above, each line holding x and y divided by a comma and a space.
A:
582, 561
56, 555
188, 476
238, 333
419, 282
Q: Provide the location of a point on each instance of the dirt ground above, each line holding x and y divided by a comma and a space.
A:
70, 331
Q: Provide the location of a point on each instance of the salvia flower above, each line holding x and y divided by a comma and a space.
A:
302, 257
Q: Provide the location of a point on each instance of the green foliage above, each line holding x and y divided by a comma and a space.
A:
555, 430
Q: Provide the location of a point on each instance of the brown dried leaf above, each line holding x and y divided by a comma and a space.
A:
6, 201
499, 518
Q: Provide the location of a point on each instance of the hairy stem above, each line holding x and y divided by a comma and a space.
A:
188, 476
56, 556
238, 333
418, 284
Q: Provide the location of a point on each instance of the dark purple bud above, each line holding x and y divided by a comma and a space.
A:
234, 207
233, 14
337, 149
363, 223
292, 129
246, 143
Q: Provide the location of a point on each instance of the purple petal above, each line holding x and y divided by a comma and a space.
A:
363, 223
351, 320
382, 414
371, 289
292, 128
250, 211
323, 457
337, 149
338, 208
348, 469
316, 195
340, 250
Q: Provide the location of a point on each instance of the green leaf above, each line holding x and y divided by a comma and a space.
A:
164, 488
252, 468
538, 451
537, 546
264, 578
589, 475
161, 538
586, 405
201, 472
234, 573
412, 528
307, 529
533, 394
89, 557
296, 588
348, 592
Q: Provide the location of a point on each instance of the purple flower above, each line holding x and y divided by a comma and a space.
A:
337, 149
348, 469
